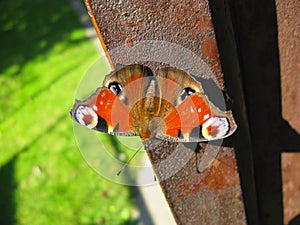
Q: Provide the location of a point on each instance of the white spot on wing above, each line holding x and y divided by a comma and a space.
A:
215, 128
205, 117
83, 112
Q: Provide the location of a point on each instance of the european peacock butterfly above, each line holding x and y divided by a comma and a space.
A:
170, 106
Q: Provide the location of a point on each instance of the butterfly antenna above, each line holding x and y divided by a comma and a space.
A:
197, 152
129, 160
197, 164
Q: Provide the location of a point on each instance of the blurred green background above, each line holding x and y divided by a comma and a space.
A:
43, 177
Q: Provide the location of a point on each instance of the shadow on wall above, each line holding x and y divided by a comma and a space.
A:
295, 220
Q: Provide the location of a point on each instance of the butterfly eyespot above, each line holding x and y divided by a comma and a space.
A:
186, 92
115, 87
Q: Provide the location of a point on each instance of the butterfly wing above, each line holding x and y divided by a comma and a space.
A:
109, 108
193, 117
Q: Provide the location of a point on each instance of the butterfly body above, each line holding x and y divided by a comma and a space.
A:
171, 105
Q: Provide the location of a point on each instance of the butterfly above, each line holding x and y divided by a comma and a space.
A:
170, 106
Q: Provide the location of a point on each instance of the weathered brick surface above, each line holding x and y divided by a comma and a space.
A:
288, 18
213, 196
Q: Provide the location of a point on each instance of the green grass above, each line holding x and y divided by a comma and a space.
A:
43, 177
